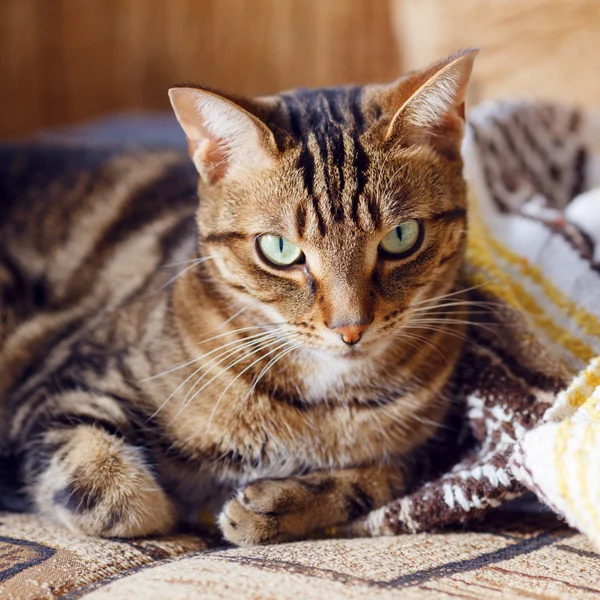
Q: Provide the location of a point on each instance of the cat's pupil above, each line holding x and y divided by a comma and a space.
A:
281, 245
399, 232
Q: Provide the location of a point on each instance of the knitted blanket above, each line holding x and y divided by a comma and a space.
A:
533, 266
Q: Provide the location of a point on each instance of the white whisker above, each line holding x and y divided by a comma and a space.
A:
183, 262
450, 294
449, 313
192, 266
269, 365
239, 345
454, 322
234, 331
439, 330
475, 303
225, 370
297, 345
264, 341
413, 336
194, 360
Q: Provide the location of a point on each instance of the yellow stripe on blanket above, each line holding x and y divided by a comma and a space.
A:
582, 387
563, 435
484, 252
585, 320
590, 504
580, 502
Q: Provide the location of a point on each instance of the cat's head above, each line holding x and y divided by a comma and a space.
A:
337, 210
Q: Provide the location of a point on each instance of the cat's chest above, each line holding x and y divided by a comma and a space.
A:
238, 437
279, 439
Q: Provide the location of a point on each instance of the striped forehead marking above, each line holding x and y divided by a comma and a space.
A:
328, 124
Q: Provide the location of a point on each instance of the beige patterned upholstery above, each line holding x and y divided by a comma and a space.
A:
512, 555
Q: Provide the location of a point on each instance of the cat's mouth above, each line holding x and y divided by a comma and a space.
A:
350, 352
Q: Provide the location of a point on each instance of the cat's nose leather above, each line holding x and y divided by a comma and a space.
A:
350, 333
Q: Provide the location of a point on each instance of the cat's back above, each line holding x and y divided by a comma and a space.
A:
83, 230
65, 207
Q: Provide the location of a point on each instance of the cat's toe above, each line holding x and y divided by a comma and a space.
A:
270, 496
245, 527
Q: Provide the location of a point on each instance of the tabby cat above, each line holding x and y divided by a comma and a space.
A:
273, 353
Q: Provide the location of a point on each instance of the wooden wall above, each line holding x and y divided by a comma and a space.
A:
63, 61
546, 49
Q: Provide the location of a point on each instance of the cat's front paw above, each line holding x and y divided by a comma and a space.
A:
245, 527
273, 510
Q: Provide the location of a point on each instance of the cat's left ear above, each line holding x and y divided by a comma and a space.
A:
431, 102
223, 138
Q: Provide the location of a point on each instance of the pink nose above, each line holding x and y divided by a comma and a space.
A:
350, 333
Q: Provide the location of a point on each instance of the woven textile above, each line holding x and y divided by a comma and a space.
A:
511, 555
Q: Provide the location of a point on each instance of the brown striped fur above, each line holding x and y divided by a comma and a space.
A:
151, 363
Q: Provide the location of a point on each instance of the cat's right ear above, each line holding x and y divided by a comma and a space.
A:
223, 138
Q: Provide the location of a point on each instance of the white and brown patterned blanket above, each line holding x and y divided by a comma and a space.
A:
534, 263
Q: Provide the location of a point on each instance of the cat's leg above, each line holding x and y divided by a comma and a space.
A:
83, 471
275, 510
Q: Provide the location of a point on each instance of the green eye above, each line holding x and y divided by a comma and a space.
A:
278, 250
403, 239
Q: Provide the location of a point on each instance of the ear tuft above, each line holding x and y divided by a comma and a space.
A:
432, 97
223, 138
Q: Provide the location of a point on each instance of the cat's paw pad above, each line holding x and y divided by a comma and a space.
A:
271, 496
